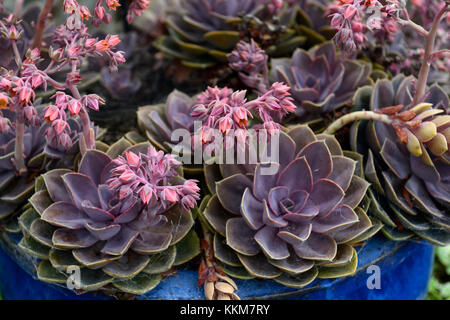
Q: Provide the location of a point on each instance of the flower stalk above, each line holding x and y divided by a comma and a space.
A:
40, 26
429, 48
18, 147
357, 116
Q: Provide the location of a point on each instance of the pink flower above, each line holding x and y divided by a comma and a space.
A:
127, 177
5, 84
190, 187
13, 34
135, 8
102, 45
92, 101
4, 101
146, 194
73, 51
51, 113
74, 106
57, 54
59, 125
112, 4
25, 94
36, 80
169, 195
61, 99
84, 13
225, 125
90, 42
70, 6
5, 124
29, 112
132, 159
99, 12
147, 176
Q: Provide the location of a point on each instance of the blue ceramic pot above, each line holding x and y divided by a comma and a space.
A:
400, 270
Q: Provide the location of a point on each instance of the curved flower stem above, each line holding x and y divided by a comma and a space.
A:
18, 147
40, 26
356, 116
85, 121
419, 29
18, 7
429, 47
17, 56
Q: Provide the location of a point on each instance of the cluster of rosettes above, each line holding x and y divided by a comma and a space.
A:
224, 110
147, 176
407, 160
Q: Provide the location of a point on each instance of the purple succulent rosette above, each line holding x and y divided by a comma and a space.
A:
293, 225
14, 190
321, 81
158, 122
409, 194
120, 243
41, 155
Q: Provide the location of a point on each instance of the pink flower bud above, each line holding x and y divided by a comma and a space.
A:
99, 12
36, 80
350, 12
90, 42
51, 113
59, 126
3, 101
74, 106
25, 94
170, 195
113, 40
146, 194
127, 177
5, 125
225, 125
132, 159
5, 84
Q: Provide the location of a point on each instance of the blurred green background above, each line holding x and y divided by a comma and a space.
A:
439, 288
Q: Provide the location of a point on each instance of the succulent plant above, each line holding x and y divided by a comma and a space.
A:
293, 225
94, 218
40, 154
200, 35
321, 81
410, 180
13, 189
159, 121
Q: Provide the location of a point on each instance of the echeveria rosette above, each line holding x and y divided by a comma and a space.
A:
296, 224
158, 122
321, 81
410, 194
14, 189
121, 244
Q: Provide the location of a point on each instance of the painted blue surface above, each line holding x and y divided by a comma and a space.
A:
405, 270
